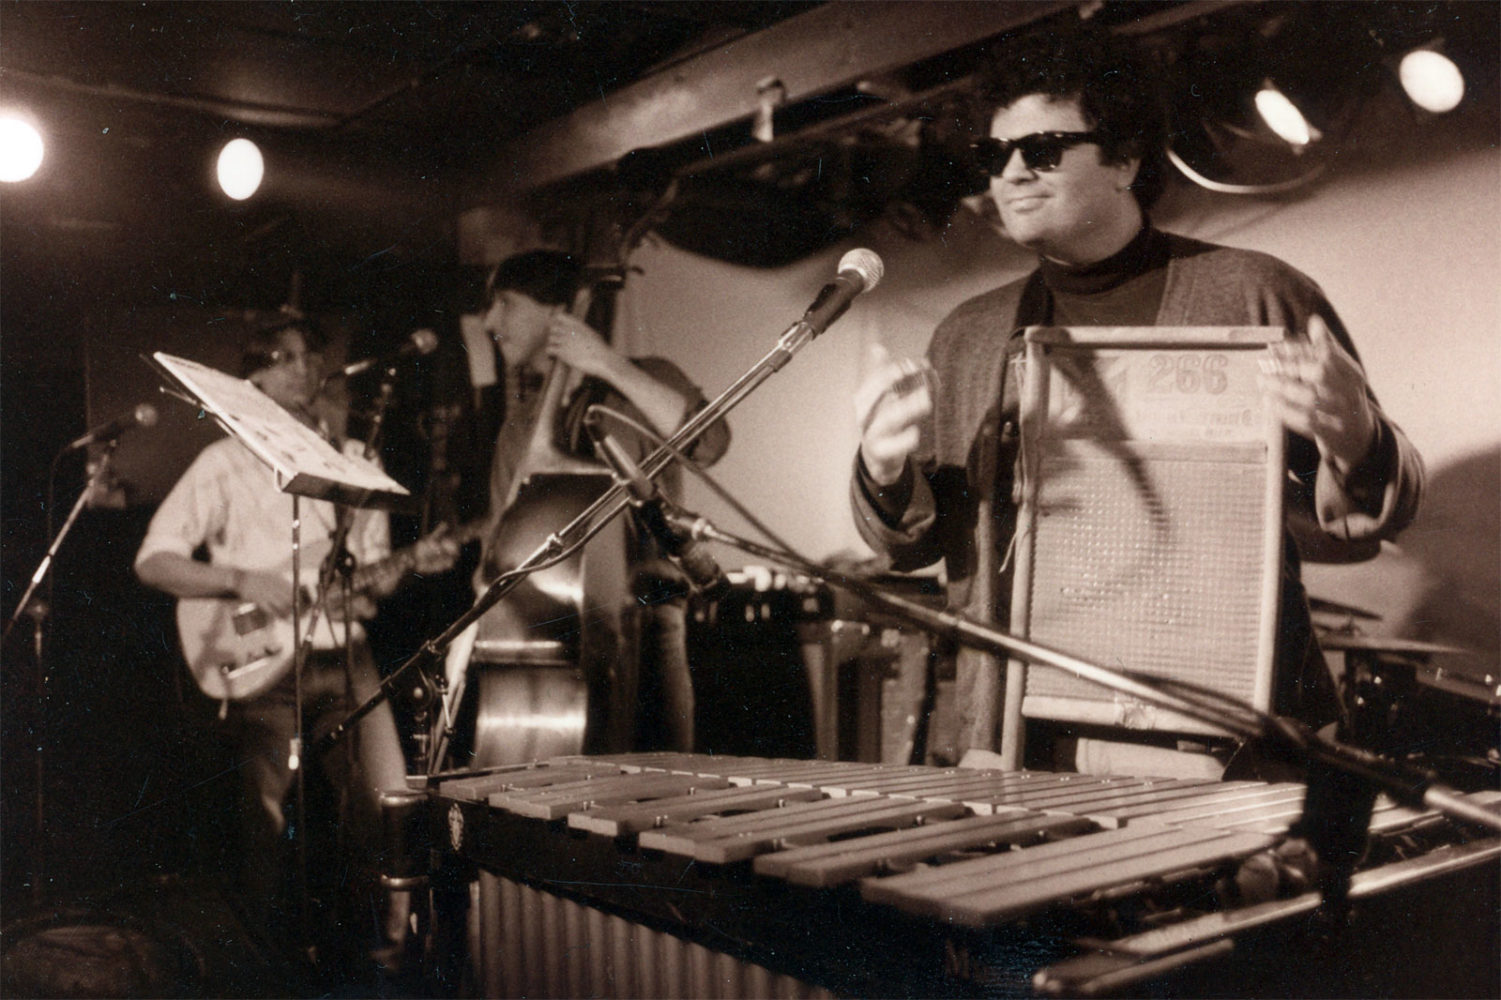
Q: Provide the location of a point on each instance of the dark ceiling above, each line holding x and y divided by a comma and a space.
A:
374, 118
383, 121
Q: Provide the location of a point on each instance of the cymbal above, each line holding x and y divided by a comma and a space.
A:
1384, 644
1320, 605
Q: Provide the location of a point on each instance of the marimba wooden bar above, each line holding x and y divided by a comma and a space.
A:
694, 875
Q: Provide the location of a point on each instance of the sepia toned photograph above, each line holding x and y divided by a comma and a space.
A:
684, 499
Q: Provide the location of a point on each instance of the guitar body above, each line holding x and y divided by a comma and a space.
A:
234, 650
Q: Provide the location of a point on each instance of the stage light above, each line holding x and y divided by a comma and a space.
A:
1282, 116
240, 168
1431, 80
21, 149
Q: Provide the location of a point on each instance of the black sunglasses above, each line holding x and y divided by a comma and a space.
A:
1040, 150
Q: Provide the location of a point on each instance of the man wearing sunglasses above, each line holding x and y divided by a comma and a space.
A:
1074, 157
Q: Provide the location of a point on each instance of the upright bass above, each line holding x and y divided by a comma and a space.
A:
551, 668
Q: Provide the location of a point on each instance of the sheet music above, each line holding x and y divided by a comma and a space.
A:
303, 462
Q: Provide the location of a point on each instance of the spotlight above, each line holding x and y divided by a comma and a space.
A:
1431, 80
21, 149
1283, 117
240, 169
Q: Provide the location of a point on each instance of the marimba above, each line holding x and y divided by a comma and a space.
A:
660, 875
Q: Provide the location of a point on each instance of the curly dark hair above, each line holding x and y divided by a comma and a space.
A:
549, 276
1115, 88
259, 350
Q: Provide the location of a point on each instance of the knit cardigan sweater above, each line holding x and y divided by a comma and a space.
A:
955, 504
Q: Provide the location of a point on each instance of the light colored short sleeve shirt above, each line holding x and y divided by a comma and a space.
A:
228, 502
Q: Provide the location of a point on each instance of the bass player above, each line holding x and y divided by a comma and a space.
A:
530, 322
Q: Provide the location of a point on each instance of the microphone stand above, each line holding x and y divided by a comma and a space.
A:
586, 525
39, 623
337, 563
95, 477
338, 559
382, 405
1351, 765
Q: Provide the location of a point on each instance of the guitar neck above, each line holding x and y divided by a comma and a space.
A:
383, 576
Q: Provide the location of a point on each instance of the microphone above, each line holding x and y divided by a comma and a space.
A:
419, 343
650, 508
142, 416
859, 271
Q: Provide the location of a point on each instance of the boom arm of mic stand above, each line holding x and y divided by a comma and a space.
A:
973, 633
1407, 785
587, 524
96, 476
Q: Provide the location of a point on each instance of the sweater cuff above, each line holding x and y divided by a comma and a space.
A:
889, 502
1364, 485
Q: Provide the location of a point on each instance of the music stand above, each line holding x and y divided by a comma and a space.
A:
303, 462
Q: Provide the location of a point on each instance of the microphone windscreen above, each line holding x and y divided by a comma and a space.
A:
866, 263
425, 341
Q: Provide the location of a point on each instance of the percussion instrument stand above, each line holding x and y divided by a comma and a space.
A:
39, 611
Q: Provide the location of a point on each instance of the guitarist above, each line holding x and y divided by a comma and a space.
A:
528, 319
227, 504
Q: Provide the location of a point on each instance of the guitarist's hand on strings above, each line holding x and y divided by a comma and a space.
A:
435, 553
361, 608
269, 591
272, 593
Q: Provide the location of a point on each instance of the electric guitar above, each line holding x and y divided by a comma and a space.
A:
238, 650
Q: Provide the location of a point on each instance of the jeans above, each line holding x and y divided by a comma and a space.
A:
367, 760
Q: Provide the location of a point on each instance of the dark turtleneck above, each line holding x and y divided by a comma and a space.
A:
1124, 289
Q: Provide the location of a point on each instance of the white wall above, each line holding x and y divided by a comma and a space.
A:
1403, 233
794, 437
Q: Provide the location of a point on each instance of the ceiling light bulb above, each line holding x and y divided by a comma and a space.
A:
1432, 80
21, 149
1283, 117
240, 168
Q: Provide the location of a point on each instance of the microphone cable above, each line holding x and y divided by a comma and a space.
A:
645, 433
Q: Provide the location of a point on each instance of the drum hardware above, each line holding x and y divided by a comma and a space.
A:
1381, 671
1409, 697
1349, 642
1321, 605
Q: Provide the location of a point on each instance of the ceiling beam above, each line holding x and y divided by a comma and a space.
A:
825, 49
